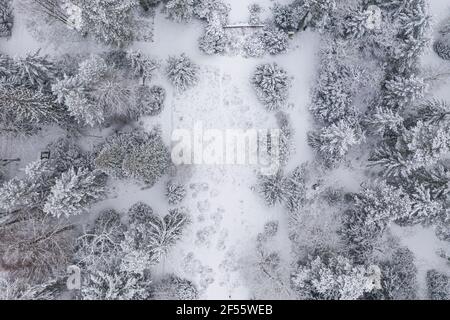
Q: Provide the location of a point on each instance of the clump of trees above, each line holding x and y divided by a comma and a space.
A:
333, 277
101, 90
111, 22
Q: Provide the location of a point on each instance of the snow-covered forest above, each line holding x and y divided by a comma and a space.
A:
118, 179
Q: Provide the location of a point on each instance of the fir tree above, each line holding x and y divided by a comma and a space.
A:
175, 288
148, 161
150, 100
334, 142
214, 40
399, 276
182, 72
210, 10
287, 17
6, 18
275, 41
400, 91
25, 110
271, 83
438, 285
180, 10
74, 192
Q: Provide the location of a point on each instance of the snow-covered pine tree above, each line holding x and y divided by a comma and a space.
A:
400, 91
374, 207
272, 84
384, 120
180, 10
330, 277
273, 188
438, 285
35, 71
112, 153
399, 276
74, 192
287, 17
6, 18
332, 98
275, 41
393, 161
335, 141
150, 100
96, 247
175, 288
317, 13
148, 161
175, 193
210, 10
111, 283
214, 39
37, 248
286, 135
433, 111
112, 22
255, 11
182, 72
427, 142
141, 65
25, 110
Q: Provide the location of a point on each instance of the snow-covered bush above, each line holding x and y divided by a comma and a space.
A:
438, 285
150, 100
175, 193
272, 84
74, 192
182, 72
330, 277
175, 288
